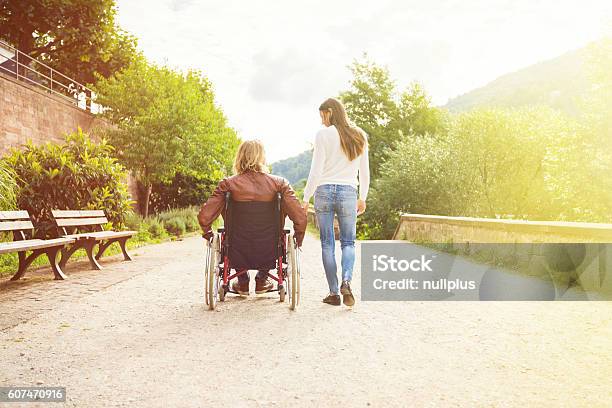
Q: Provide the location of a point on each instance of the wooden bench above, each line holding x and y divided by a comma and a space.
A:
18, 222
73, 225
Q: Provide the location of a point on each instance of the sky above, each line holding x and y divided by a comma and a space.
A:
272, 62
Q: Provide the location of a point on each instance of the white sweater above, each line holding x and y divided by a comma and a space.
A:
331, 166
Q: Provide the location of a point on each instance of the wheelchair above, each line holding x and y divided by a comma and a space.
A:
252, 238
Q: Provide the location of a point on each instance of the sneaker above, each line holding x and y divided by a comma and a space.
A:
240, 287
263, 285
347, 295
332, 299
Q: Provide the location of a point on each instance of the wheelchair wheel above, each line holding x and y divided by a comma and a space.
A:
282, 292
293, 277
212, 273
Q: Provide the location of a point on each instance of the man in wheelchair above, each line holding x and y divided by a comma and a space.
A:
253, 194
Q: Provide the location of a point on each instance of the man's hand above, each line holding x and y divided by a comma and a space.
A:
305, 206
208, 235
361, 207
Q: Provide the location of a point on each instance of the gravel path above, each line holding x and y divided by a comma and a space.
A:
142, 337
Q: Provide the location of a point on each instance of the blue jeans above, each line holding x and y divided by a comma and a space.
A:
341, 200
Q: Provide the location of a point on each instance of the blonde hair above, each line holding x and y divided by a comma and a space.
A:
250, 157
352, 139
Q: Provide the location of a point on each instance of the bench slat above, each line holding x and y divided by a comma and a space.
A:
14, 215
79, 222
31, 244
16, 225
100, 235
77, 214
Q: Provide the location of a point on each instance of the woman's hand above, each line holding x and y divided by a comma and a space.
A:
305, 206
361, 207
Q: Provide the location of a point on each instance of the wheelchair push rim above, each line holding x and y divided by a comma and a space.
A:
293, 275
212, 283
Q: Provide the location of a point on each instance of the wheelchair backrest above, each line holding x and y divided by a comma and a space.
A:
252, 233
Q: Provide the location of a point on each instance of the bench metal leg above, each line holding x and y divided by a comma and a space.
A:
89, 247
102, 247
52, 256
26, 261
122, 243
67, 253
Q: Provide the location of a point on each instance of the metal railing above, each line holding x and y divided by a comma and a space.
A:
27, 69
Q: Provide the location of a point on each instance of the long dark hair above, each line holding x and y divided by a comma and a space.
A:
352, 139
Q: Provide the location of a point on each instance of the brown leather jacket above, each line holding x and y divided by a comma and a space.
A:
254, 186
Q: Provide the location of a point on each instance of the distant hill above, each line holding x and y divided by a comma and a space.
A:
294, 168
559, 83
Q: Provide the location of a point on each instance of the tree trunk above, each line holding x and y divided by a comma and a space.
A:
145, 201
143, 192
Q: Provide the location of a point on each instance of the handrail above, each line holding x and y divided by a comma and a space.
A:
32, 71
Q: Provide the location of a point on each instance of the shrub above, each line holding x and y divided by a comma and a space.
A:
175, 226
188, 215
133, 221
77, 174
156, 228
8, 187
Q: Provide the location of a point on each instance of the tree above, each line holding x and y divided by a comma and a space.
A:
417, 116
421, 175
79, 38
504, 154
167, 122
370, 104
374, 104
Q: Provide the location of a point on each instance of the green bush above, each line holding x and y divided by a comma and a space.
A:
176, 226
8, 187
77, 174
156, 228
133, 221
188, 215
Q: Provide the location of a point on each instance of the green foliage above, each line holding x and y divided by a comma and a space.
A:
8, 187
531, 164
188, 218
503, 154
294, 168
420, 176
167, 123
299, 187
182, 191
176, 222
155, 227
79, 38
374, 104
77, 174
175, 226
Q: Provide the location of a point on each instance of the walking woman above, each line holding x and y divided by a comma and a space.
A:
339, 179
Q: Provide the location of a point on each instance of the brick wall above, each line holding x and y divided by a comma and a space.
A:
30, 113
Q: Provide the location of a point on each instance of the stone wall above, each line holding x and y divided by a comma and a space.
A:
436, 228
569, 253
30, 113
